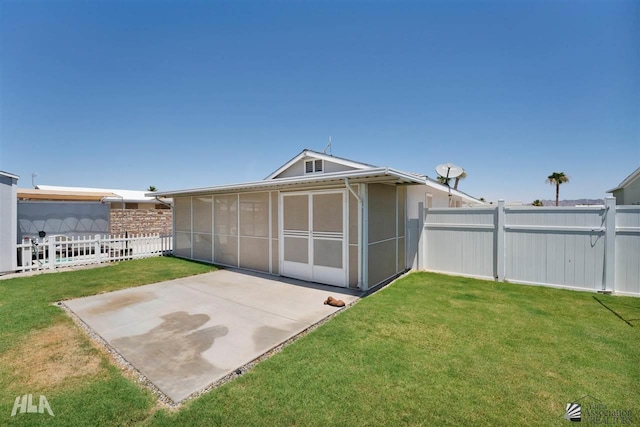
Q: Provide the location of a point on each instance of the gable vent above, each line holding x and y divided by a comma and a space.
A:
313, 166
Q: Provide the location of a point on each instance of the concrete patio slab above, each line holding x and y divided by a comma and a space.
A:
186, 334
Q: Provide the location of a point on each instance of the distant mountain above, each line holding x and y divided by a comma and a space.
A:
573, 202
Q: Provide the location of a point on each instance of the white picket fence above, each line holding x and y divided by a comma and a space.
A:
61, 251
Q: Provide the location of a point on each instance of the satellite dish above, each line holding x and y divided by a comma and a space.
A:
449, 171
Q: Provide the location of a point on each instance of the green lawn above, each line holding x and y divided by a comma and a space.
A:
427, 350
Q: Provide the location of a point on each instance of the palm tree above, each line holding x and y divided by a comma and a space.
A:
537, 202
556, 179
463, 175
152, 188
444, 180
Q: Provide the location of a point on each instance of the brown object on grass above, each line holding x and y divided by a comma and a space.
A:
334, 302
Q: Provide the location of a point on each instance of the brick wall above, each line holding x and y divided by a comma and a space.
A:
142, 221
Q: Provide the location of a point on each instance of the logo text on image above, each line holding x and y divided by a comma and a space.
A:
24, 404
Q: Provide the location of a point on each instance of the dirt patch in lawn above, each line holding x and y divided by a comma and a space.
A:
52, 357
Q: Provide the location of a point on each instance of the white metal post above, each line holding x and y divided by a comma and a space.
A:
500, 249
51, 254
396, 236
270, 227
238, 229
27, 253
421, 253
364, 195
610, 245
97, 249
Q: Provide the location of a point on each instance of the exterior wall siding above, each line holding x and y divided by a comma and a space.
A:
386, 231
275, 263
431, 198
627, 250
629, 195
8, 221
354, 226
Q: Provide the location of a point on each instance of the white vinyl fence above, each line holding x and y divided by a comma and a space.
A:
61, 251
587, 248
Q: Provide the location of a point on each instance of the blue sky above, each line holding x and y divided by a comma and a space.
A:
183, 94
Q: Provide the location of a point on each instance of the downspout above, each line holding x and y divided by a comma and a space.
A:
350, 188
361, 232
164, 203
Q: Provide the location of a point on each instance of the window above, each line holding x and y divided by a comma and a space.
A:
313, 166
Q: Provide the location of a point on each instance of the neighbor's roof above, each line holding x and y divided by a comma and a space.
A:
365, 175
111, 195
84, 196
430, 182
10, 175
628, 180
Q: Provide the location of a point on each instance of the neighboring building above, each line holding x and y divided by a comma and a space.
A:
628, 191
8, 220
78, 211
319, 218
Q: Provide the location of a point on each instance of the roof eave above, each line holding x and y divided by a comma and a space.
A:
315, 179
9, 175
628, 180
125, 200
434, 184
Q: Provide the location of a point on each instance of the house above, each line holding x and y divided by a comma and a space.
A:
80, 211
318, 217
628, 191
8, 219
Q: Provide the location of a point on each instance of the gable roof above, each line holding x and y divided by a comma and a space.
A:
628, 180
361, 172
430, 182
320, 156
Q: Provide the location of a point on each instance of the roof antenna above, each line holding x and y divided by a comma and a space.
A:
33, 179
328, 147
